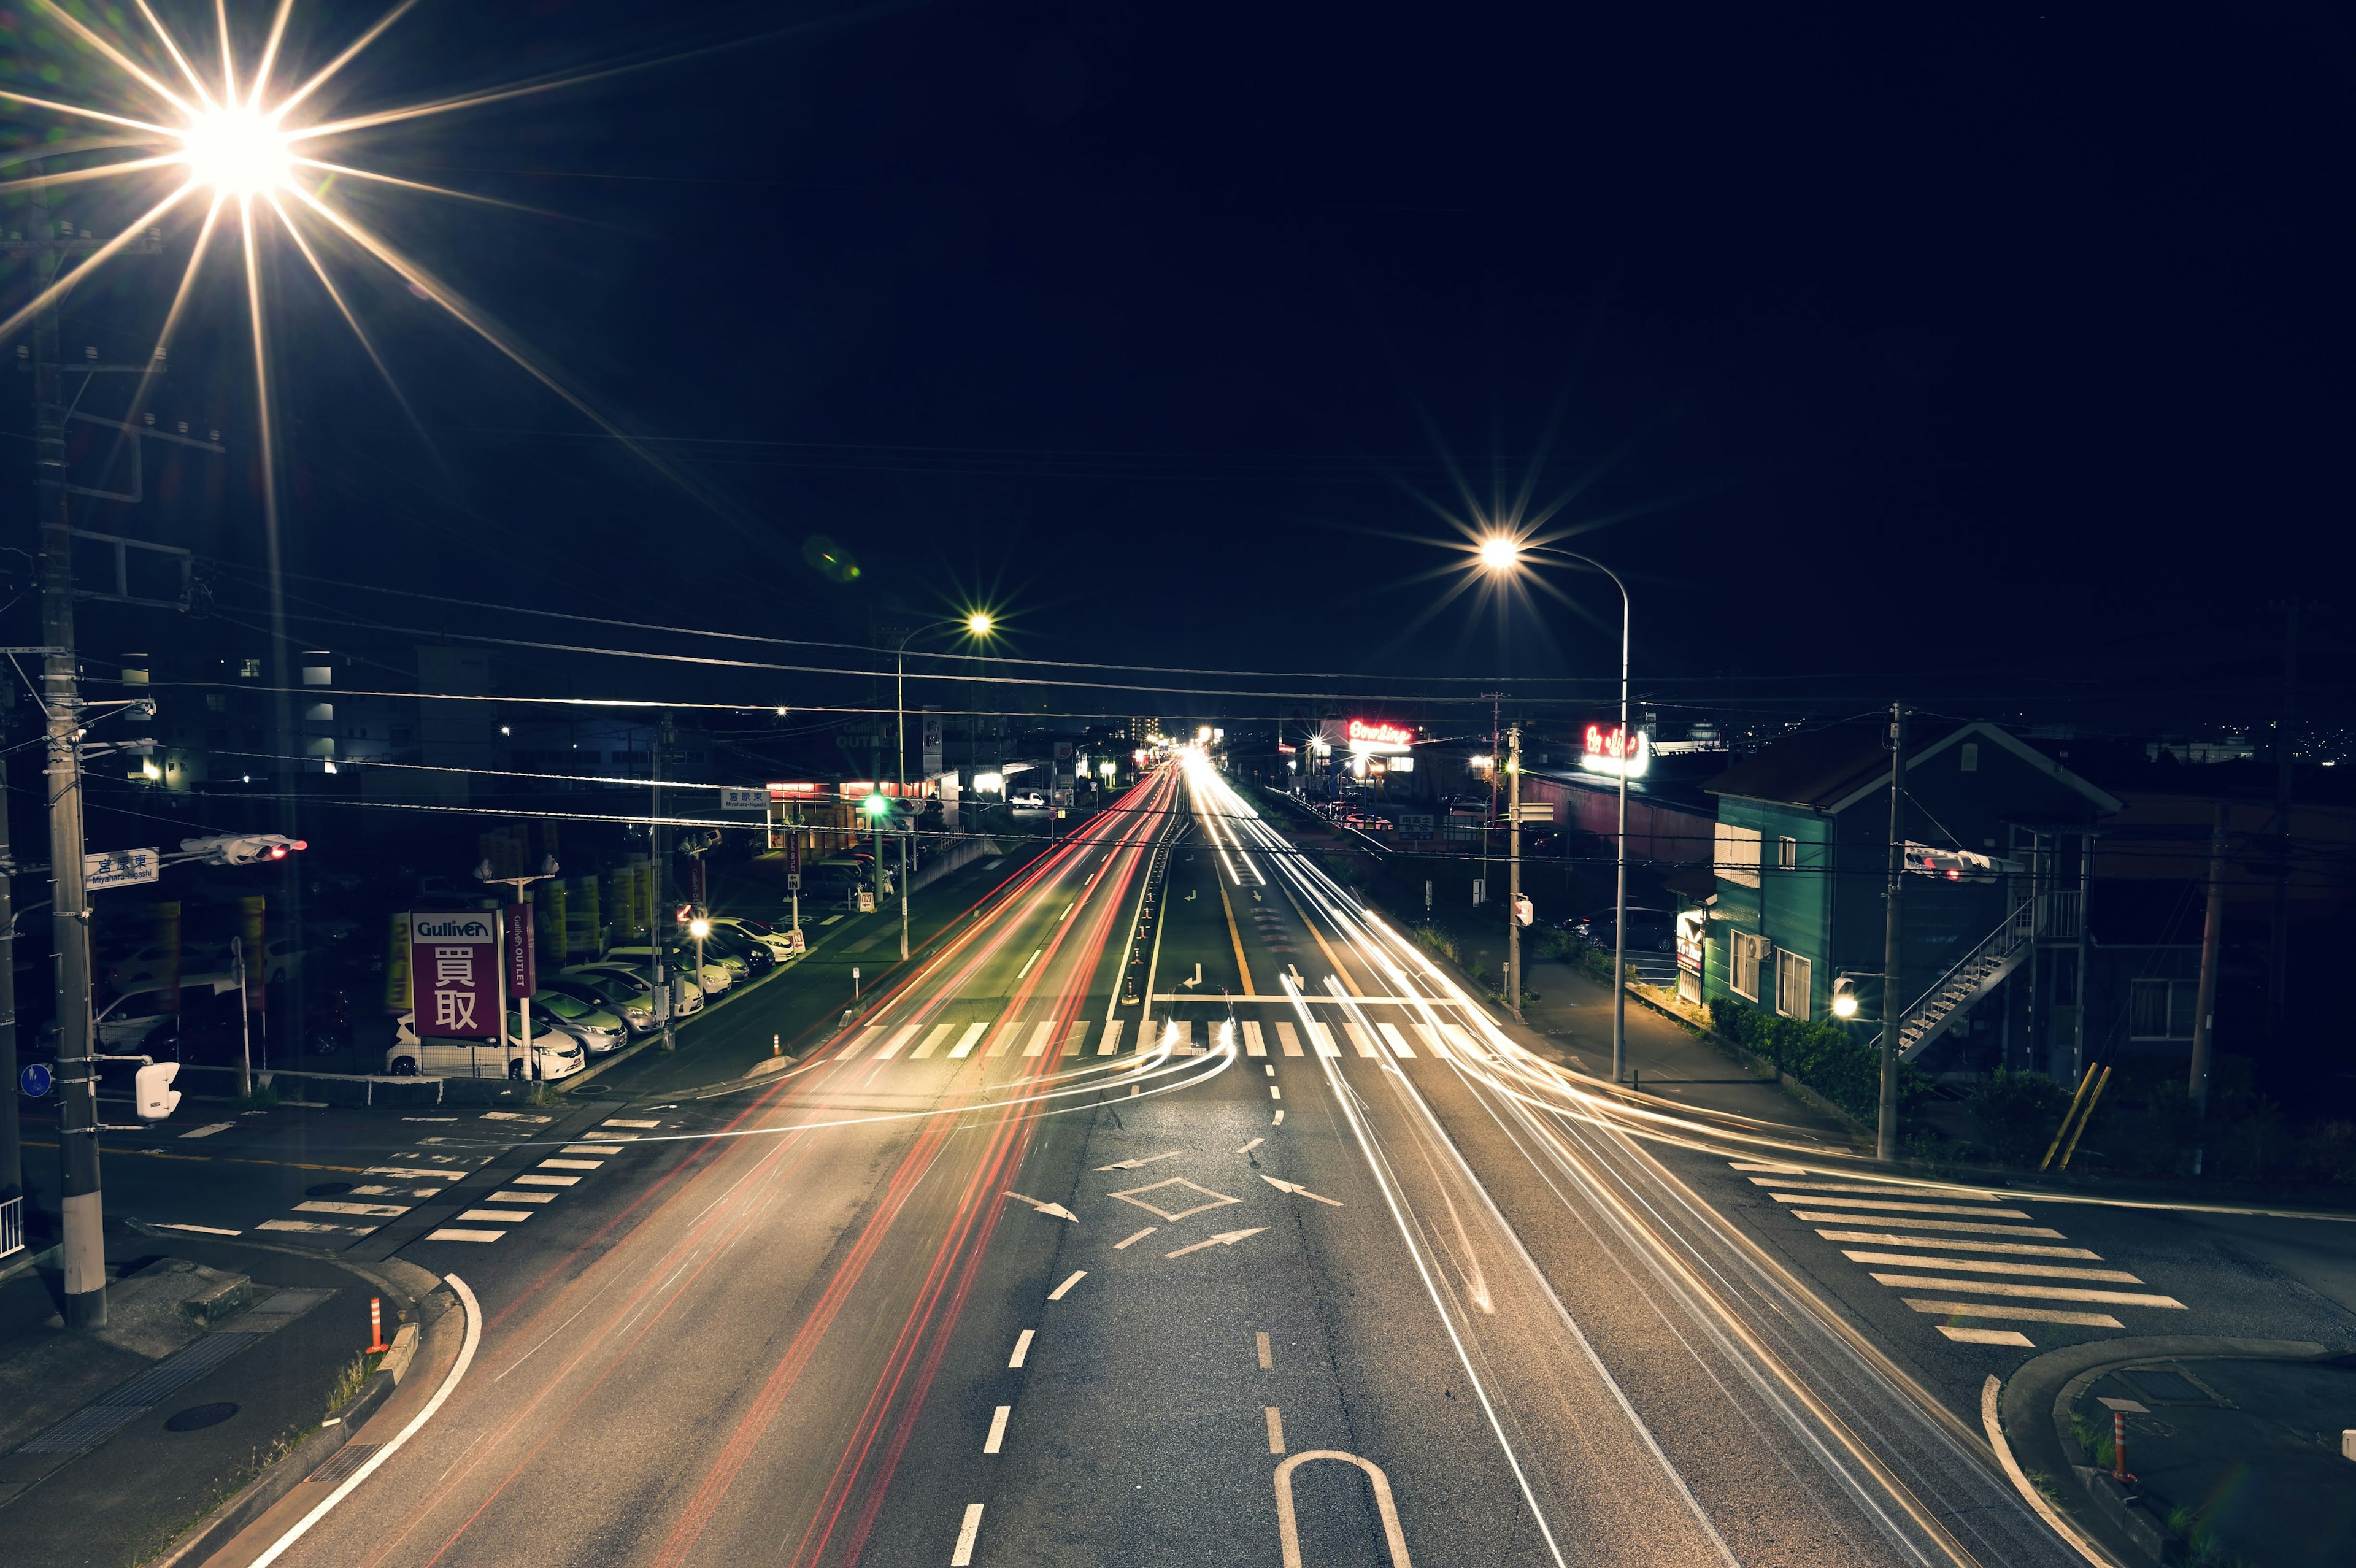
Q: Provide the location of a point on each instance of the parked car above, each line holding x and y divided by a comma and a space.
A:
554, 1053
139, 1020
691, 995
759, 934
633, 1004
594, 1027
834, 881
713, 976
758, 957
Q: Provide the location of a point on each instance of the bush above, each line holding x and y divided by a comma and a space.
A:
1436, 942
1844, 1070
2017, 1114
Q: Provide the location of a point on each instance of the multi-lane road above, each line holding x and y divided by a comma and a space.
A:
1293, 1257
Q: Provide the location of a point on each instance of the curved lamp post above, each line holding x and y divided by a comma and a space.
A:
1503, 555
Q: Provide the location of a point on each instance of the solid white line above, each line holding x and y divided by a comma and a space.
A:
1976, 1265
2020, 1249
376, 1460
2029, 1292
963, 1556
2020, 1483
1022, 1348
991, 1444
1019, 974
1057, 1295
1138, 1237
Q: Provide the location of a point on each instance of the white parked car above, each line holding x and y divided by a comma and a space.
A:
691, 995
1029, 800
554, 1053
714, 977
594, 1027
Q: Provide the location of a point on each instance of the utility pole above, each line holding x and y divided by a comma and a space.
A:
12, 1147
1893, 997
2278, 936
1514, 873
658, 847
2212, 939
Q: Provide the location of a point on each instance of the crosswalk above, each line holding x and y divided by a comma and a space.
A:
421, 1174
1984, 1269
1032, 1038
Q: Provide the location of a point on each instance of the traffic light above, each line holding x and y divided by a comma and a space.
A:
1525, 912
876, 805
1956, 865
1844, 998
241, 848
153, 1090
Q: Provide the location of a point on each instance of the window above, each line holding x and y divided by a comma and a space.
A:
1970, 751
1793, 974
250, 669
2162, 1009
1744, 955
1738, 854
1787, 854
216, 703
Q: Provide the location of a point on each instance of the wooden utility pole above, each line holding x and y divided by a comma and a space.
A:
2204, 1007
1893, 996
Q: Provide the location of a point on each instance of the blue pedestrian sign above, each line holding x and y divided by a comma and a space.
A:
35, 1079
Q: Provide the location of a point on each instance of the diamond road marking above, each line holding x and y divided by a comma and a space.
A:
1217, 1200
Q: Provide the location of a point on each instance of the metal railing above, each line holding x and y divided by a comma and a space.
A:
12, 1227
2057, 914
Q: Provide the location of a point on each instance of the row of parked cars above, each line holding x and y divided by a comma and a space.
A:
587, 1010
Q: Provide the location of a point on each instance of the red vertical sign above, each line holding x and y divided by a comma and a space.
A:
522, 955
454, 977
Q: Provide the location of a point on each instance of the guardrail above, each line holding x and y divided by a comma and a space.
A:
12, 1226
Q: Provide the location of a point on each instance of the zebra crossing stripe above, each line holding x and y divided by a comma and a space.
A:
1007, 1033
1253, 1044
900, 1037
932, 1041
1110, 1046
1043, 1034
1076, 1038
866, 1038
1322, 1034
1396, 1041
1288, 1038
1359, 1036
968, 1041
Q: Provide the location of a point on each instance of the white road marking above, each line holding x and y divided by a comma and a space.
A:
532, 1179
1043, 1034
829, 920
618, 1122
1057, 1294
2030, 1292
932, 1041
1756, 1164
1904, 1208
1076, 1038
1987, 1336
199, 1229
1456, 1036
1279, 1120
1955, 1226
866, 1038
1022, 1348
1111, 1044
590, 1148
997, 1437
571, 1164
1053, 1211
1396, 1041
1977, 1266
376, 1211
1274, 1092
2025, 1314
969, 1040
1254, 1044
963, 1556
900, 1037
1275, 1430
1138, 1236
448, 1234
519, 1117
1322, 1035
1133, 1164
508, 1216
1223, 1239
1359, 1038
1859, 1189
315, 1227
2018, 1248
1267, 1356
1026, 970
1251, 1145
504, 1197
1007, 1033
1295, 1188
1287, 1040
1067, 910
208, 1132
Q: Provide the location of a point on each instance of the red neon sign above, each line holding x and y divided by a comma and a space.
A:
1362, 731
1613, 752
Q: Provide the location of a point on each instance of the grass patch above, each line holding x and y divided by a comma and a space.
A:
351, 1377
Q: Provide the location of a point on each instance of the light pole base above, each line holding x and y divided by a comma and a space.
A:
87, 1309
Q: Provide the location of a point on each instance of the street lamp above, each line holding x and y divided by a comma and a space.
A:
523, 885
1501, 554
979, 624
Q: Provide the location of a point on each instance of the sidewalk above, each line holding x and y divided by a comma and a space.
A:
216, 1359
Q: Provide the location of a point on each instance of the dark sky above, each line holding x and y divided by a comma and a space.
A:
1999, 355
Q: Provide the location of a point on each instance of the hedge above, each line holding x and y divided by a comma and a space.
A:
1844, 1070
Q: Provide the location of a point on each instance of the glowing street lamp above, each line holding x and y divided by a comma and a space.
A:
1501, 554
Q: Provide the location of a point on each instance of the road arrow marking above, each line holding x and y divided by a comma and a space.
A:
1251, 1145
1053, 1211
1293, 1186
1133, 1164
1223, 1239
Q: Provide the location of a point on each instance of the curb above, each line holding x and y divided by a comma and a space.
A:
265, 1491
2034, 1409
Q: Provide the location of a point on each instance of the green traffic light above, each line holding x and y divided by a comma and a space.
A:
875, 806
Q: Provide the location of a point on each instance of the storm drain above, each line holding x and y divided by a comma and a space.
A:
94, 1423
343, 1462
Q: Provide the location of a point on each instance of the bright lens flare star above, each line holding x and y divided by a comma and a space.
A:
1501, 554
239, 152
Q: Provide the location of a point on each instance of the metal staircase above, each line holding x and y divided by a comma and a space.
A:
1971, 976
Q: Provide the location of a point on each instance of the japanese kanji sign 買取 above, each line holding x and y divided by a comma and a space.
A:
454, 973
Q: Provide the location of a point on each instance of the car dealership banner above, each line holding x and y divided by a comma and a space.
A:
454, 973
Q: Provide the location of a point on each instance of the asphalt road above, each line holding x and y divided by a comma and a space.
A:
1328, 1272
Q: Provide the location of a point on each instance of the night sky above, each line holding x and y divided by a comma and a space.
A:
1996, 357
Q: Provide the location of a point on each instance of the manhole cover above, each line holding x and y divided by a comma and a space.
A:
196, 1417
590, 1090
326, 1190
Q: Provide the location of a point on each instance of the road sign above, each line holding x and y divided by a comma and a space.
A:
1535, 811
121, 868
744, 799
866, 901
793, 882
35, 1079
